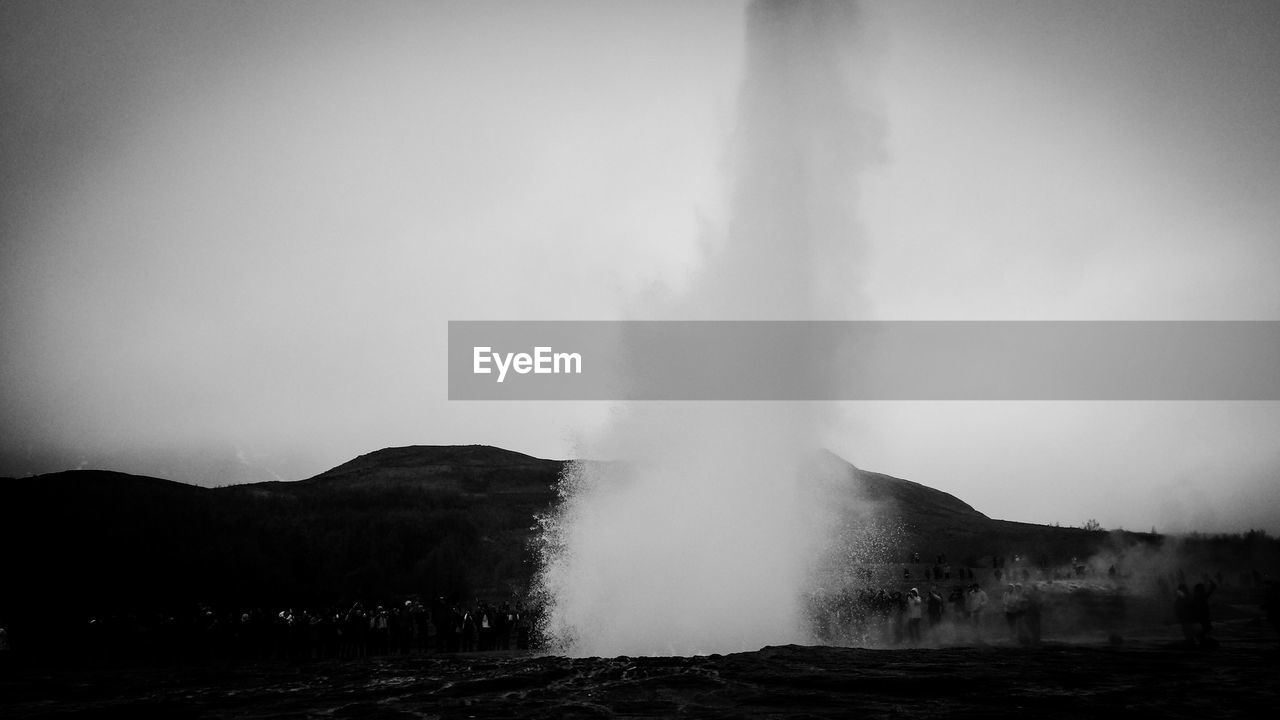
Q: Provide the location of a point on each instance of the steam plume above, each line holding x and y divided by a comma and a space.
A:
701, 536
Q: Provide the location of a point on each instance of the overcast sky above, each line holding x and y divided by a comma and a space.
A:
238, 230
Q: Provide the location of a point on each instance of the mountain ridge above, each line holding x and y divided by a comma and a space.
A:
398, 521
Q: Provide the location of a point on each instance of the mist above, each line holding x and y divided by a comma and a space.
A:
703, 533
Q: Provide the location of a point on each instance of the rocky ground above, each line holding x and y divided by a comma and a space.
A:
1150, 675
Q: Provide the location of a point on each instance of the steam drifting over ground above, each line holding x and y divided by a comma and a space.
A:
701, 536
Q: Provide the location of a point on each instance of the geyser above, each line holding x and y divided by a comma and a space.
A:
702, 533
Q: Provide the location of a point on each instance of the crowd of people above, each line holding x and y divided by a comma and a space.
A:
877, 617
885, 607
207, 634
1022, 609
863, 613
1191, 609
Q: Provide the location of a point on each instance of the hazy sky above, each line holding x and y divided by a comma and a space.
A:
237, 230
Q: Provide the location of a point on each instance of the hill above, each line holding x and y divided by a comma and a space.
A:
398, 522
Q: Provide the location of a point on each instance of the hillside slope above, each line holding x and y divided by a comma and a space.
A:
395, 522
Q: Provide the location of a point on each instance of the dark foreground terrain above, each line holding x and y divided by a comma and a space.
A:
1152, 676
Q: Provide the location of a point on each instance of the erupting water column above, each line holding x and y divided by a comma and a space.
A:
701, 537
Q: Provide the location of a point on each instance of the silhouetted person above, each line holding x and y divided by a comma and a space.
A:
1200, 612
470, 633
523, 622
358, 624
485, 625
1182, 612
1011, 601
934, 605
914, 612
379, 632
457, 629
442, 616
420, 624
956, 598
432, 632
974, 603
502, 626
1034, 604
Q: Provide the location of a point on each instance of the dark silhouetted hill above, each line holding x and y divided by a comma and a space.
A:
399, 522
395, 522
